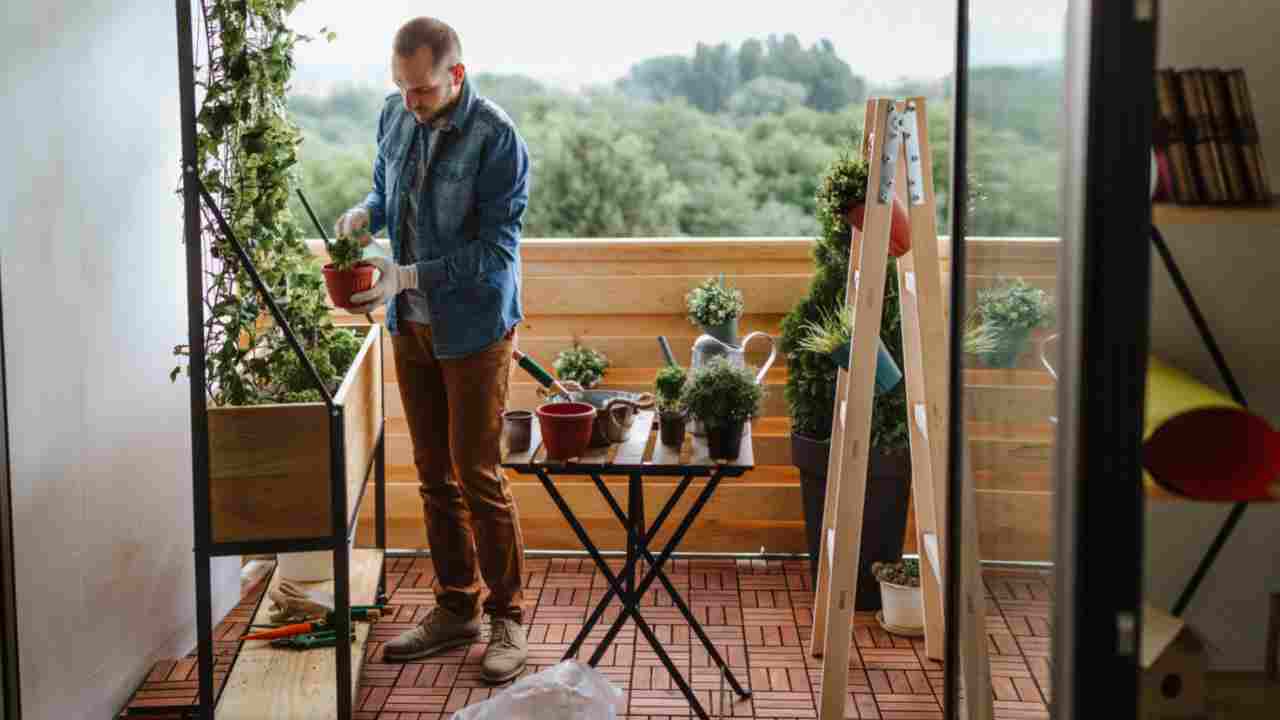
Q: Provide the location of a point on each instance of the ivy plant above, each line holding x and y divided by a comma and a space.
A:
246, 152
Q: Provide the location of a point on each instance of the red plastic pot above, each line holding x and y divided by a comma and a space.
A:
342, 284
566, 428
899, 231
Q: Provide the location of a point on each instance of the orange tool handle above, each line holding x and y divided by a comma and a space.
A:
286, 631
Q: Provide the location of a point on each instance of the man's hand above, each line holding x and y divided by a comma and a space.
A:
392, 278
354, 221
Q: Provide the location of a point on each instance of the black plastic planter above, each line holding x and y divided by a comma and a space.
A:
725, 442
884, 517
671, 429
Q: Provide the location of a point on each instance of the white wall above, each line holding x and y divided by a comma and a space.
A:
1233, 272
94, 303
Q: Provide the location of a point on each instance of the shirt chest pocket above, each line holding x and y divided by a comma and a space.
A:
453, 190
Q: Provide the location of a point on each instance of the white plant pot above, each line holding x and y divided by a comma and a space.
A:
306, 566
902, 606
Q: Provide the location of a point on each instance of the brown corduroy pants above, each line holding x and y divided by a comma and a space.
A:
454, 412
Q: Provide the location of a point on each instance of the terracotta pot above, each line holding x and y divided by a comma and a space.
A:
342, 284
899, 231
566, 428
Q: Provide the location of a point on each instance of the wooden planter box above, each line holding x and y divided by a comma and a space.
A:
269, 465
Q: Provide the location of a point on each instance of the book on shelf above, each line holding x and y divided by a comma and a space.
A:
1206, 139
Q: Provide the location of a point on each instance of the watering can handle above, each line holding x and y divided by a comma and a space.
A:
1045, 360
773, 353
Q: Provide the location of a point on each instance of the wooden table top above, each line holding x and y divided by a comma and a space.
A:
641, 451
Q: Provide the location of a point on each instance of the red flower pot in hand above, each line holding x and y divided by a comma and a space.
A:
899, 231
342, 284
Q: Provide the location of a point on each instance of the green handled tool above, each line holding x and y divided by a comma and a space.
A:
323, 638
539, 373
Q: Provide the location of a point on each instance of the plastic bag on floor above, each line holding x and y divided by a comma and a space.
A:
568, 691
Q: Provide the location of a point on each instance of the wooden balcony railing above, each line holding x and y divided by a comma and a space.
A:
619, 295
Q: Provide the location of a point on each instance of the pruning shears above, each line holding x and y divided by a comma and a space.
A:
324, 638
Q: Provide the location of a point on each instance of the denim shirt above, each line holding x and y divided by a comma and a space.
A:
470, 217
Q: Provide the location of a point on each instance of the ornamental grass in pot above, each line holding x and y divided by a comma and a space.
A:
725, 398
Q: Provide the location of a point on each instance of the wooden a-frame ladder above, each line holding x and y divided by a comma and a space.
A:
895, 142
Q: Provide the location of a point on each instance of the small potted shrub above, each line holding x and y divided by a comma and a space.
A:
671, 411
1010, 311
832, 335
715, 308
844, 191
582, 365
900, 596
346, 274
724, 397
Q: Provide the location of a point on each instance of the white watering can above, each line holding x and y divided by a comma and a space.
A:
707, 347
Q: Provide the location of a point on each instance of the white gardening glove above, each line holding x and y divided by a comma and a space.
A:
353, 221
392, 278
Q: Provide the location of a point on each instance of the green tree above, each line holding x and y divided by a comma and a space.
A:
766, 96
750, 60
593, 179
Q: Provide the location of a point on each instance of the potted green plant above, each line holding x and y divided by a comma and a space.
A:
346, 273
1010, 311
900, 593
811, 387
725, 398
715, 307
582, 365
672, 414
846, 185
833, 335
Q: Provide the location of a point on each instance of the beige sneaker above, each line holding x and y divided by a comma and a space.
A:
439, 631
507, 652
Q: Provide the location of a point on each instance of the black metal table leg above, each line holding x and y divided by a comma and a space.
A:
637, 535
600, 608
630, 606
670, 547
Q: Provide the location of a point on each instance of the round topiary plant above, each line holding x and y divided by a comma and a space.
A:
667, 386
721, 394
582, 365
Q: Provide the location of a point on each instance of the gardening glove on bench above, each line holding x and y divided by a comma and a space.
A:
354, 221
392, 278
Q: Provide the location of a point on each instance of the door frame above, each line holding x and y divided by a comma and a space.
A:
9, 677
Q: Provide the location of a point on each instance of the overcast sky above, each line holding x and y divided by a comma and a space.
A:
571, 43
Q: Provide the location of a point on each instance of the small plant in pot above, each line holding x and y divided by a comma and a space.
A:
346, 274
902, 612
844, 189
582, 365
725, 398
671, 411
1010, 311
716, 307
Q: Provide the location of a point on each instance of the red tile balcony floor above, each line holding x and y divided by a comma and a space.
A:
757, 612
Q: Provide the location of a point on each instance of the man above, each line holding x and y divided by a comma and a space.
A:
450, 184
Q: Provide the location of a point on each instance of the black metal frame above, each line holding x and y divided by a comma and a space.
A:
195, 196
10, 683
1229, 379
624, 584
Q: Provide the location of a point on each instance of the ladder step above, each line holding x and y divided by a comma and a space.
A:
911, 282
931, 550
843, 405
831, 550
